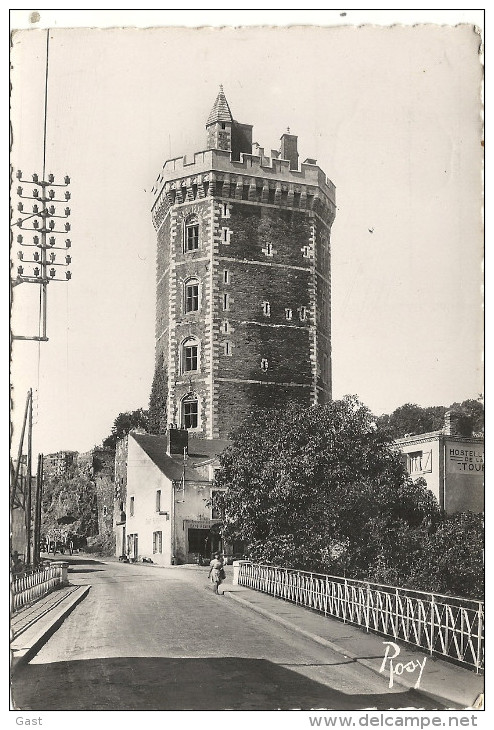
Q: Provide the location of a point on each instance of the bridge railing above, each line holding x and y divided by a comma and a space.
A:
445, 626
30, 587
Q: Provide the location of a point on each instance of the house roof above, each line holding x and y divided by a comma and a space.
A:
200, 452
435, 435
220, 111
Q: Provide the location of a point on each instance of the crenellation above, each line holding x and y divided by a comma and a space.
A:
249, 165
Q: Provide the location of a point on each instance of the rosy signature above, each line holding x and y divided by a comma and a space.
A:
395, 668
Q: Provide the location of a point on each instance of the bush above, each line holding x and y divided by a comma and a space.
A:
103, 545
452, 558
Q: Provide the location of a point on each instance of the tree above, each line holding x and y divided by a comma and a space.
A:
452, 558
309, 487
411, 419
70, 500
157, 399
475, 410
124, 423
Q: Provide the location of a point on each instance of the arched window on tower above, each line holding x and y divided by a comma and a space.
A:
190, 355
191, 233
191, 295
190, 411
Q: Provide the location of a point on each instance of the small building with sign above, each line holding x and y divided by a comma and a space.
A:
451, 461
167, 516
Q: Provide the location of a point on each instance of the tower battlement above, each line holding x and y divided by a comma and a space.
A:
249, 164
254, 178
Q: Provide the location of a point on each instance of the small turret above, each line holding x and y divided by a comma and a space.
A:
224, 133
219, 124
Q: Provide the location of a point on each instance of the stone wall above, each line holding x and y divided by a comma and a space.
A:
98, 465
120, 489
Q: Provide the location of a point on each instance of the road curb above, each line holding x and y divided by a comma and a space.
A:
447, 700
29, 642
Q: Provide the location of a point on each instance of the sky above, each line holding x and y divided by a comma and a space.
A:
391, 113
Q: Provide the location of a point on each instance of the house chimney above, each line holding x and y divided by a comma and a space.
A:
457, 424
177, 439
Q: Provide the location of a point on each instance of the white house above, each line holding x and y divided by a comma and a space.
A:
167, 517
451, 463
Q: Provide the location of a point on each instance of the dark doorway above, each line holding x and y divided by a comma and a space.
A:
202, 543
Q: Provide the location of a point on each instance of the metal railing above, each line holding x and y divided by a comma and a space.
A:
30, 587
445, 626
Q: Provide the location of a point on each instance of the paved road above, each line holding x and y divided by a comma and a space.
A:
149, 638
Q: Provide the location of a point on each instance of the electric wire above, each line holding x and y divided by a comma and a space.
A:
46, 101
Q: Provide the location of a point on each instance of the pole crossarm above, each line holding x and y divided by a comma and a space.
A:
35, 338
42, 268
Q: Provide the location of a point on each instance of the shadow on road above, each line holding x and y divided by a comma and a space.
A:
76, 569
73, 559
161, 683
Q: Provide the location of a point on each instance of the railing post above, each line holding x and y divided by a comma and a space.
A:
431, 646
396, 619
478, 659
64, 566
237, 564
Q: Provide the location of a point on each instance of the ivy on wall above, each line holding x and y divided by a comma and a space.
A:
158, 397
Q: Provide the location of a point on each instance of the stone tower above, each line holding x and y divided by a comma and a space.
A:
243, 315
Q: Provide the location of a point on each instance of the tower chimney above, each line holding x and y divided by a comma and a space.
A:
177, 439
288, 149
457, 424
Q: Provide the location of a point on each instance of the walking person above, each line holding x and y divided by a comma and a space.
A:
217, 572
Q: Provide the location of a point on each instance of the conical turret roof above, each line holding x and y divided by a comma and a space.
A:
220, 111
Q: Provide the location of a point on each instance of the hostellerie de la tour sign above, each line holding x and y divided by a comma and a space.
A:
466, 459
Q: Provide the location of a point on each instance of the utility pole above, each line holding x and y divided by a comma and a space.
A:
43, 223
29, 481
37, 514
22, 497
19, 456
42, 216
